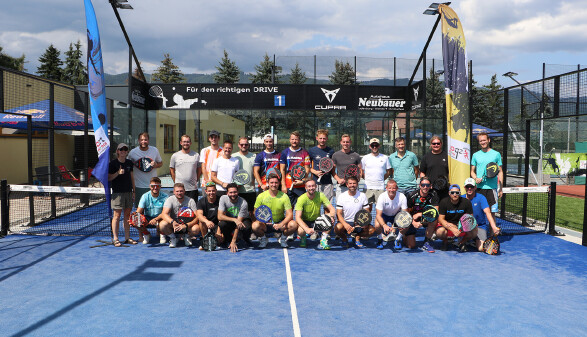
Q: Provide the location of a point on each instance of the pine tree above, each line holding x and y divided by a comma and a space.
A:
493, 102
434, 90
297, 75
343, 74
168, 72
264, 73
7, 61
228, 72
50, 67
74, 71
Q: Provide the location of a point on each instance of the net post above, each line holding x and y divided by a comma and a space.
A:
552, 209
4, 219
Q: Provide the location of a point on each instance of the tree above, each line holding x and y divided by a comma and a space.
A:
264, 72
228, 72
168, 72
297, 75
434, 91
50, 67
74, 72
343, 74
138, 75
7, 61
492, 114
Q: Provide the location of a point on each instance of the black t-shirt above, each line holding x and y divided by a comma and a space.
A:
452, 212
417, 202
122, 183
434, 165
210, 210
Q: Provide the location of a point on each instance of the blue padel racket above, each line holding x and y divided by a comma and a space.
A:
241, 177
467, 223
263, 214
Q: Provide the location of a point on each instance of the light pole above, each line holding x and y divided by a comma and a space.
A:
511, 75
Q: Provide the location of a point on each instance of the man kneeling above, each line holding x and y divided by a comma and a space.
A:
308, 210
233, 217
347, 205
172, 224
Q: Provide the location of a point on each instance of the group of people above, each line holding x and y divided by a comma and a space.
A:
394, 183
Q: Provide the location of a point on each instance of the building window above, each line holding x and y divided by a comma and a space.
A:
168, 137
228, 136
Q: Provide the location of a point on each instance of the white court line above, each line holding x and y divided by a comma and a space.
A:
292, 300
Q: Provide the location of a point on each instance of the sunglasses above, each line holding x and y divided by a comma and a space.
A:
469, 186
374, 145
210, 183
435, 143
425, 185
155, 186
455, 192
247, 144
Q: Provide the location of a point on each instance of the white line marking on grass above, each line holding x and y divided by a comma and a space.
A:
292, 299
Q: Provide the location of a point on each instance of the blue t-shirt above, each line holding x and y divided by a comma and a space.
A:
152, 206
403, 169
479, 203
480, 160
316, 154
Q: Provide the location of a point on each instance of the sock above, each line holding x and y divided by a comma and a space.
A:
380, 236
324, 236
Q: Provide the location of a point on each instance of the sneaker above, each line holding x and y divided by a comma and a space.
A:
358, 244
172, 241
463, 248
187, 240
324, 244
291, 237
398, 242
283, 241
428, 247
380, 244
253, 236
162, 239
303, 241
263, 241
146, 238
314, 236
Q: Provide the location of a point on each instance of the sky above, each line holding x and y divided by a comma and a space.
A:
501, 35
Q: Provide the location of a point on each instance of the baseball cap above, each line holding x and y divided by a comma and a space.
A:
268, 136
214, 132
454, 186
121, 145
470, 181
374, 140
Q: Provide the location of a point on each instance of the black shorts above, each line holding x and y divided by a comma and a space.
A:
228, 227
192, 194
489, 194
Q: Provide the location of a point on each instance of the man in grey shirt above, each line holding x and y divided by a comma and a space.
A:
184, 167
342, 159
233, 217
170, 225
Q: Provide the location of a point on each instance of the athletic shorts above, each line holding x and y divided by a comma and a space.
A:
482, 232
149, 218
228, 227
491, 196
121, 200
250, 198
449, 233
388, 218
192, 194
372, 195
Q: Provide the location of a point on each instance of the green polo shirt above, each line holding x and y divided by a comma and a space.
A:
403, 169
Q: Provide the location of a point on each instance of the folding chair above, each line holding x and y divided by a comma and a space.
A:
66, 175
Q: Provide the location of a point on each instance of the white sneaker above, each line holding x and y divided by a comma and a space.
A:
314, 236
253, 236
283, 241
146, 238
187, 240
172, 241
263, 241
162, 239
291, 237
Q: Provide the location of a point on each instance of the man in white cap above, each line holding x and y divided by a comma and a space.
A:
481, 212
376, 168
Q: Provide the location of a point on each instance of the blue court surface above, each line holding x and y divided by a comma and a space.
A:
59, 286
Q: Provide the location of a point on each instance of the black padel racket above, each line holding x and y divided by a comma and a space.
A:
352, 171
145, 164
298, 172
325, 165
241, 177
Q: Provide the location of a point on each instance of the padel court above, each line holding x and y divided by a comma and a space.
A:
55, 286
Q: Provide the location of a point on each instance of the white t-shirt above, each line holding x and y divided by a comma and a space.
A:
391, 207
351, 204
225, 170
246, 163
186, 169
143, 179
375, 168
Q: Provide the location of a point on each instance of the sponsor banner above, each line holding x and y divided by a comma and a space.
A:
564, 164
382, 99
139, 93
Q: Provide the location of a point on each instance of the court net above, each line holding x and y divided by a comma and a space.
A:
525, 210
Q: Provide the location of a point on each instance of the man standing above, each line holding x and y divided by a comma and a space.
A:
404, 164
451, 210
185, 168
347, 205
434, 165
267, 159
481, 212
233, 217
486, 186
308, 210
208, 212
388, 205
293, 155
142, 179
224, 168
342, 159
208, 155
151, 205
246, 162
316, 153
281, 211
170, 225
376, 168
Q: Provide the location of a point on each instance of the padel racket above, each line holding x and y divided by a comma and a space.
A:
441, 183
241, 177
323, 223
362, 218
273, 170
402, 219
491, 246
429, 213
325, 165
184, 216
491, 170
139, 221
145, 164
209, 241
352, 171
156, 91
263, 214
467, 223
298, 172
